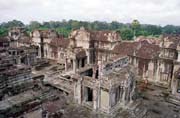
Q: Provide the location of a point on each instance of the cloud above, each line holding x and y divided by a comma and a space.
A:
160, 12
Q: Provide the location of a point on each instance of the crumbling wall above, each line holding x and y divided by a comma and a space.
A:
104, 96
115, 65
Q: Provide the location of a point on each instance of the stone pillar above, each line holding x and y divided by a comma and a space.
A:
28, 60
110, 98
66, 65
174, 86
110, 101
94, 72
16, 44
157, 78
133, 92
124, 95
18, 60
78, 92
39, 52
88, 57
74, 65
99, 94
178, 56
95, 99
80, 63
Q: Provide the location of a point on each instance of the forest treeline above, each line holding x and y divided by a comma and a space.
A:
128, 31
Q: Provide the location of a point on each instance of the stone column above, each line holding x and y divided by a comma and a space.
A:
99, 94
88, 57
39, 51
74, 65
178, 56
110, 95
132, 93
95, 99
18, 60
157, 78
78, 92
124, 95
80, 63
174, 85
28, 59
66, 65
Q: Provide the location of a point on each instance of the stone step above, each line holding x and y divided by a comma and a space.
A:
173, 100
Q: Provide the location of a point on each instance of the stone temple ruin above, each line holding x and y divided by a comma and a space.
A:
100, 78
107, 91
97, 68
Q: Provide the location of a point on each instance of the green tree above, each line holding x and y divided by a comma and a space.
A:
73, 24
169, 29
153, 30
114, 25
34, 25
63, 31
135, 25
3, 31
126, 33
13, 23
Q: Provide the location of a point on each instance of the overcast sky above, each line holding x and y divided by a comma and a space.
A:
159, 12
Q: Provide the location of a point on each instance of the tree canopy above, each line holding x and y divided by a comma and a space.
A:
126, 33
64, 27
